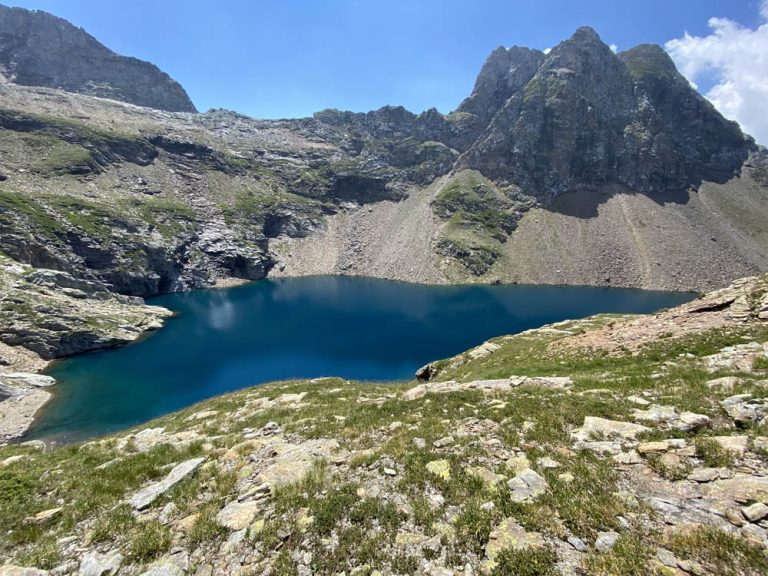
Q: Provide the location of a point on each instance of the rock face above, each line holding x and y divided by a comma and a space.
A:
38, 49
583, 116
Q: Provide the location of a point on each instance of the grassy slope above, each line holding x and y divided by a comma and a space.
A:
364, 526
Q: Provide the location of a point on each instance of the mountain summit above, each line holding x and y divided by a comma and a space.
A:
39, 49
583, 116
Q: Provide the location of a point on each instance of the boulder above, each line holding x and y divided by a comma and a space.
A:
527, 486
146, 496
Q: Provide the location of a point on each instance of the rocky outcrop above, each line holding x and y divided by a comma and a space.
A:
54, 314
39, 49
586, 116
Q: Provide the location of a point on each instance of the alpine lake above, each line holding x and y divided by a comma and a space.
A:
277, 329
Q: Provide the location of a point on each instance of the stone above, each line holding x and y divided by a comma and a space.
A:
594, 426
724, 384
702, 475
12, 460
290, 463
744, 409
510, 535
420, 443
144, 498
666, 557
578, 544
605, 541
741, 488
44, 516
734, 517
736, 444
97, 564
415, 393
489, 478
443, 442
547, 463
651, 447
202, 415
163, 568
755, 512
238, 515
11, 570
390, 472
518, 463
669, 417
527, 486
440, 468
25, 379
630, 458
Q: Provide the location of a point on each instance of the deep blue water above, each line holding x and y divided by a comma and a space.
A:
365, 329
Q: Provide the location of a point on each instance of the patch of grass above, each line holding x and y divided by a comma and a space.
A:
205, 529
719, 552
666, 469
14, 205
628, 557
713, 455
530, 562
404, 564
44, 554
149, 541
112, 525
283, 565
473, 528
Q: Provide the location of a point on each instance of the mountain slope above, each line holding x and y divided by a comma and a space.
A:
580, 167
39, 49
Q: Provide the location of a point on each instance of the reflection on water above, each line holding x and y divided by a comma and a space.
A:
365, 329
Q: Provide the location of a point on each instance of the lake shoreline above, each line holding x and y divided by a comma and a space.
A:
365, 329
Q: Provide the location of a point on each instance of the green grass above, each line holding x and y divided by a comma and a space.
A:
148, 541
533, 562
719, 552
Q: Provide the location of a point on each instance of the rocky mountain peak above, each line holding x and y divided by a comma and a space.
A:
585, 116
39, 49
505, 72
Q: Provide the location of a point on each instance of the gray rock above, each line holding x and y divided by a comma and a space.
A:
97, 564
755, 512
11, 570
578, 544
605, 541
238, 515
527, 486
163, 568
146, 496
744, 409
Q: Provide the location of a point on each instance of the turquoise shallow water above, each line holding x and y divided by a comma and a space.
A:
358, 328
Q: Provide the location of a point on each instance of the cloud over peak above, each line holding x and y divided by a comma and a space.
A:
737, 58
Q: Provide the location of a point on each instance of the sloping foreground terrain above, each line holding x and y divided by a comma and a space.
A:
610, 445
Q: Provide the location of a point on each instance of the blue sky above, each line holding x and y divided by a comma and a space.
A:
272, 59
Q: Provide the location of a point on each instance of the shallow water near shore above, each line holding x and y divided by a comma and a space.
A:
356, 328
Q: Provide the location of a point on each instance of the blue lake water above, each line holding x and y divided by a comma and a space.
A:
357, 328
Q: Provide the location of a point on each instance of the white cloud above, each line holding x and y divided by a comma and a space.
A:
547, 50
737, 58
614, 48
